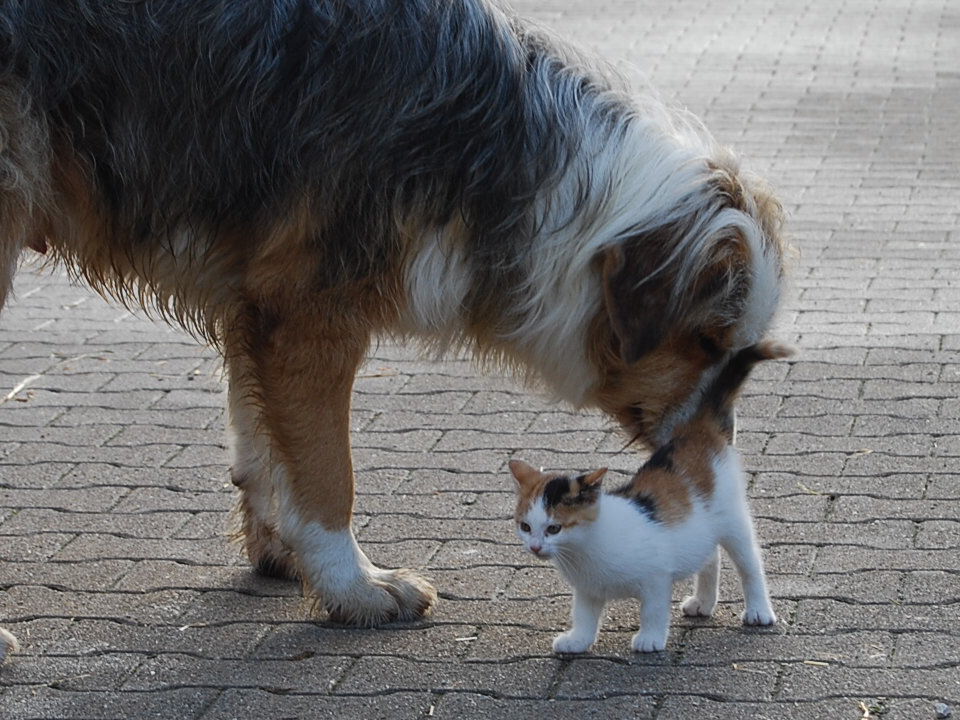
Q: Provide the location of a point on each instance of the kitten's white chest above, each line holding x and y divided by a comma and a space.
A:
623, 549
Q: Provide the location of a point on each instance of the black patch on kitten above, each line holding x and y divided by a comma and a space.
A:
555, 490
559, 492
662, 459
646, 505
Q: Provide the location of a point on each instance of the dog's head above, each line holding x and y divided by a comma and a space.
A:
680, 298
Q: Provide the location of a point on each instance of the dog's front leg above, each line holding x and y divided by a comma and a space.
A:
301, 373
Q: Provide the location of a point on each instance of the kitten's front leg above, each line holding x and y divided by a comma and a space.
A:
654, 615
704, 599
586, 622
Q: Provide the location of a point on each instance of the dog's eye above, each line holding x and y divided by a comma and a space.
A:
553, 529
524, 527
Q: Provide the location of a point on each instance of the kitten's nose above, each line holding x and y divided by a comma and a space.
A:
535, 549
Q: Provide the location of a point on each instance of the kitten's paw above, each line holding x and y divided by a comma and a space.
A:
648, 642
759, 616
695, 607
570, 643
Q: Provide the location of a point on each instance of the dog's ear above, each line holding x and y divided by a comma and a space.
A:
715, 300
632, 306
645, 301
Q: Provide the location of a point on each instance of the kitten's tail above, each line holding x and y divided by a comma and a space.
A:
721, 393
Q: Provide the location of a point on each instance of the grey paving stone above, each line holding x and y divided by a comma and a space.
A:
683, 707
141, 525
82, 637
86, 673
802, 682
429, 642
818, 615
33, 476
234, 704
932, 586
201, 479
28, 601
522, 679
39, 702
149, 575
93, 575
33, 548
596, 678
874, 586
317, 673
454, 706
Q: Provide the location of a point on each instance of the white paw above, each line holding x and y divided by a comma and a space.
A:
568, 642
644, 643
694, 607
8, 644
759, 616
381, 596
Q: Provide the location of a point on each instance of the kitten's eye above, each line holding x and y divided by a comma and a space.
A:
524, 527
553, 529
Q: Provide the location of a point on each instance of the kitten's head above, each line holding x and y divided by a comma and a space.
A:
553, 508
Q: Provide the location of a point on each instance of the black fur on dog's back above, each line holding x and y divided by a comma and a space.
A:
220, 115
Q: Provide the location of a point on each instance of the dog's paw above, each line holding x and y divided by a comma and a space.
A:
571, 643
383, 596
648, 642
694, 607
8, 645
759, 616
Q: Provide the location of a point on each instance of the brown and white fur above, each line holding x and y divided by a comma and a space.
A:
417, 168
668, 523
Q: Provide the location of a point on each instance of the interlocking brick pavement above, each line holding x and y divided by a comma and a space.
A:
115, 574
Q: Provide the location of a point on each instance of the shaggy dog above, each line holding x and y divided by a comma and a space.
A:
289, 178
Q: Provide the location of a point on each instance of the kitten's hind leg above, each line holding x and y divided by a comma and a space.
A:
741, 545
654, 616
586, 623
704, 599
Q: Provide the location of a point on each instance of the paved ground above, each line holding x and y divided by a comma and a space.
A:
114, 493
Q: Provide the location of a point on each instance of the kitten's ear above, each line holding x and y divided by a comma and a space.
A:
523, 473
594, 478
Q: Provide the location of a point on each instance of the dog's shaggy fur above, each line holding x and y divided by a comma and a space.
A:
288, 178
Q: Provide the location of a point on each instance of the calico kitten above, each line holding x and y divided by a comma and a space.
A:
664, 525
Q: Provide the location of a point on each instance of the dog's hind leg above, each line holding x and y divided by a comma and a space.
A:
252, 473
301, 374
